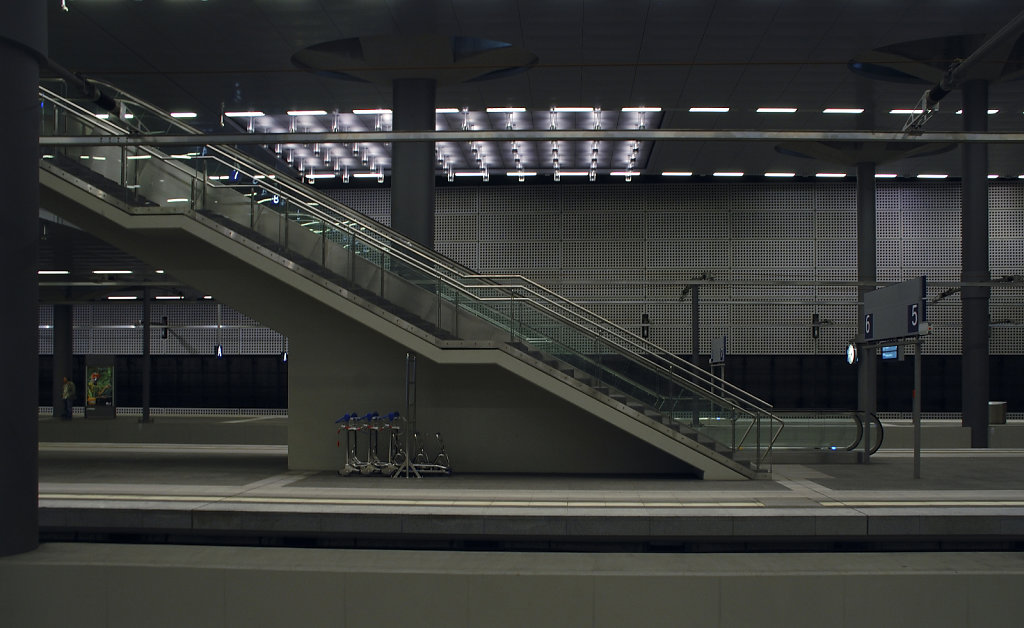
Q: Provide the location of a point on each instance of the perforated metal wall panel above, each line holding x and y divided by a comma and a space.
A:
192, 329
776, 253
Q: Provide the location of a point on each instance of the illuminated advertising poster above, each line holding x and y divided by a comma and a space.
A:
99, 386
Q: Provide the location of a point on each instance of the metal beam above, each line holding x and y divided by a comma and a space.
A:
536, 135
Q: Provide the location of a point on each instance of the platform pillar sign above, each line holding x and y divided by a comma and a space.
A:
99, 387
717, 360
896, 315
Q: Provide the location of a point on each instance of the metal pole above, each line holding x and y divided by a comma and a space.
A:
147, 373
695, 343
867, 365
917, 409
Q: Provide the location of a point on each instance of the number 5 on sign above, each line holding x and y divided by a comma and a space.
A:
913, 318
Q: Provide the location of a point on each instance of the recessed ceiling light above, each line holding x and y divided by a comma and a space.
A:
624, 173
885, 175
573, 109
506, 109
520, 173
177, 200
168, 297
830, 175
776, 109
932, 176
117, 297
728, 174
322, 175
446, 110
183, 114
244, 114
679, 173
139, 156
842, 110
366, 175
470, 173
573, 173
111, 272
906, 111
370, 112
641, 109
307, 112
709, 110
780, 174
54, 272
993, 176
159, 271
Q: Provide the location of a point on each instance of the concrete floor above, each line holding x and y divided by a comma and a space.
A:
163, 533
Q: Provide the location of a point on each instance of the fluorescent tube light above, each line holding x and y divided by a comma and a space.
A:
776, 109
841, 110
140, 156
709, 110
676, 173
520, 173
177, 200
885, 175
728, 174
991, 112
993, 176
447, 110
167, 297
307, 112
111, 272
54, 272
906, 111
573, 109
830, 175
370, 112
321, 175
116, 297
780, 174
573, 173
183, 114
641, 109
244, 114
506, 109
932, 176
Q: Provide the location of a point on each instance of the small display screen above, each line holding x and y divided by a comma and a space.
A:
891, 352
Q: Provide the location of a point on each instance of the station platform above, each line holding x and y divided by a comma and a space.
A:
217, 493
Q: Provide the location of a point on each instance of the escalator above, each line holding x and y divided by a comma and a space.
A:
244, 212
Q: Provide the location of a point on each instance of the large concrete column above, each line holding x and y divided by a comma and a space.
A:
867, 369
974, 299
412, 166
22, 42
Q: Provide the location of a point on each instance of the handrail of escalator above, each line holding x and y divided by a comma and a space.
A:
880, 431
860, 432
638, 347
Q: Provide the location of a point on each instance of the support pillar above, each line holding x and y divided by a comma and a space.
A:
147, 362
412, 166
22, 44
974, 299
867, 366
63, 353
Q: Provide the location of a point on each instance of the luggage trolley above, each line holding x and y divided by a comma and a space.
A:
352, 424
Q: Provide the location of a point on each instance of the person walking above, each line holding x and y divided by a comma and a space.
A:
67, 393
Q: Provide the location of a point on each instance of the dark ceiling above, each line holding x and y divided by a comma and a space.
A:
210, 55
